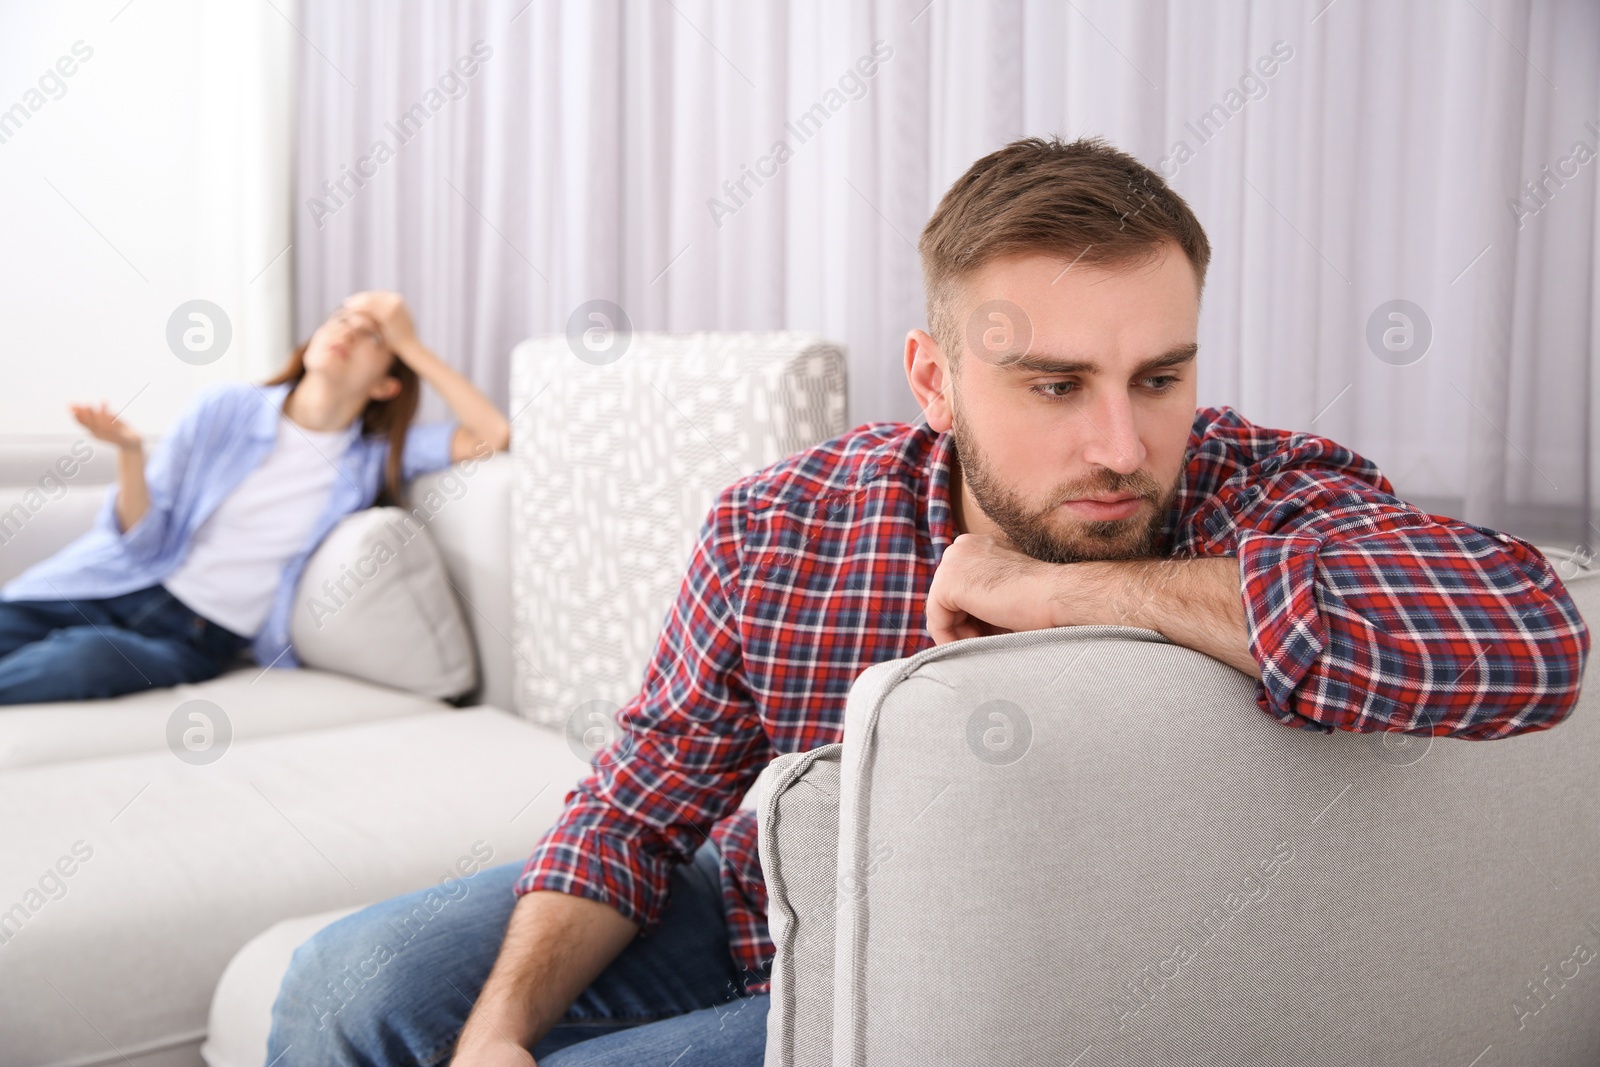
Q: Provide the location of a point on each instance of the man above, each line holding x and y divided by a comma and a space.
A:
1063, 476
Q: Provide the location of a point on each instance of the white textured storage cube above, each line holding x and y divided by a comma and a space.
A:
617, 465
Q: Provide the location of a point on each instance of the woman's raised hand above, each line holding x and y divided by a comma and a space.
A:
392, 316
105, 426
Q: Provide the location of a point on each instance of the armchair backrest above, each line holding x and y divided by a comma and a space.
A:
1090, 845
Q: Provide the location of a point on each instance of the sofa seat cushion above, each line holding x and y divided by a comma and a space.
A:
253, 703
241, 1009
128, 882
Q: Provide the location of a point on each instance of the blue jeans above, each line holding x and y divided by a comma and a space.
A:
394, 982
87, 649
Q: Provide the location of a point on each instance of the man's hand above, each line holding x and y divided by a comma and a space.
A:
495, 1053
985, 586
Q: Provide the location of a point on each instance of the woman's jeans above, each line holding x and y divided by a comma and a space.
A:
86, 649
394, 982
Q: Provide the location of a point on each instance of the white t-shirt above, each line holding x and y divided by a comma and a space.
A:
232, 569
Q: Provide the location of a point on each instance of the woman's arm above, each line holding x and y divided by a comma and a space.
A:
481, 422
133, 495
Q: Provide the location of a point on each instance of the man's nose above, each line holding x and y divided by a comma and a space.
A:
1113, 434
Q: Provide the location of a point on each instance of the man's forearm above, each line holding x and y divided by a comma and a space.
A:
554, 946
1197, 603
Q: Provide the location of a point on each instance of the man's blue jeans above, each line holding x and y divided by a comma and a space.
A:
394, 982
88, 649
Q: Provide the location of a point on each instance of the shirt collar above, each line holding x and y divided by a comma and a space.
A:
941, 528
929, 453
264, 426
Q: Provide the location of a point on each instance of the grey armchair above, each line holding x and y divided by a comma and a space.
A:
1089, 846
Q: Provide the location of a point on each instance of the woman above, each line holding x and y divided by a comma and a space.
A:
198, 554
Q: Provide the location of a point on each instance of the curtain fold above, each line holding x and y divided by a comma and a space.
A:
715, 165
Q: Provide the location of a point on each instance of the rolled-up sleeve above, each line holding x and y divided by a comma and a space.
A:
691, 744
1368, 614
163, 476
427, 449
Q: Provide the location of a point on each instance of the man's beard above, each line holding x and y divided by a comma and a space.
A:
1053, 535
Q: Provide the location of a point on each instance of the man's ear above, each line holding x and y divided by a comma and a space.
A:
387, 388
928, 372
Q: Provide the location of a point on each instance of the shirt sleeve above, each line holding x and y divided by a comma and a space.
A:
164, 472
427, 449
1368, 614
691, 744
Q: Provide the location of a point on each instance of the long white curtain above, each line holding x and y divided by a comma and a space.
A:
1341, 155
144, 165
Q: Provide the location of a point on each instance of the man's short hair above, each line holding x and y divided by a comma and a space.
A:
1085, 201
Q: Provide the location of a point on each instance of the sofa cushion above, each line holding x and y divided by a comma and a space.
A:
251, 702
1103, 851
50, 490
616, 466
129, 882
241, 1010
375, 603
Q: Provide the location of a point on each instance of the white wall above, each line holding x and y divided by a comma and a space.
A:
157, 172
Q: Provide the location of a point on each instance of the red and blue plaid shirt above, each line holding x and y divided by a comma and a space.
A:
1364, 612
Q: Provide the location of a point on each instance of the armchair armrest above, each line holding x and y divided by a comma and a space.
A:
798, 813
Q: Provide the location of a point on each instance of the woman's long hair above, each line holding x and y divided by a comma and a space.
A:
390, 418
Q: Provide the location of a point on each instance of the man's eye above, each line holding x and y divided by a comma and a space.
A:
1163, 383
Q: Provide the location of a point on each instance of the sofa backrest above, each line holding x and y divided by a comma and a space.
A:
50, 489
470, 520
1146, 868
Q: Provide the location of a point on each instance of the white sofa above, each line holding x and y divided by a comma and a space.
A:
332, 792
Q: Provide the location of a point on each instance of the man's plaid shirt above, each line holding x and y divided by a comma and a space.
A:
1364, 612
